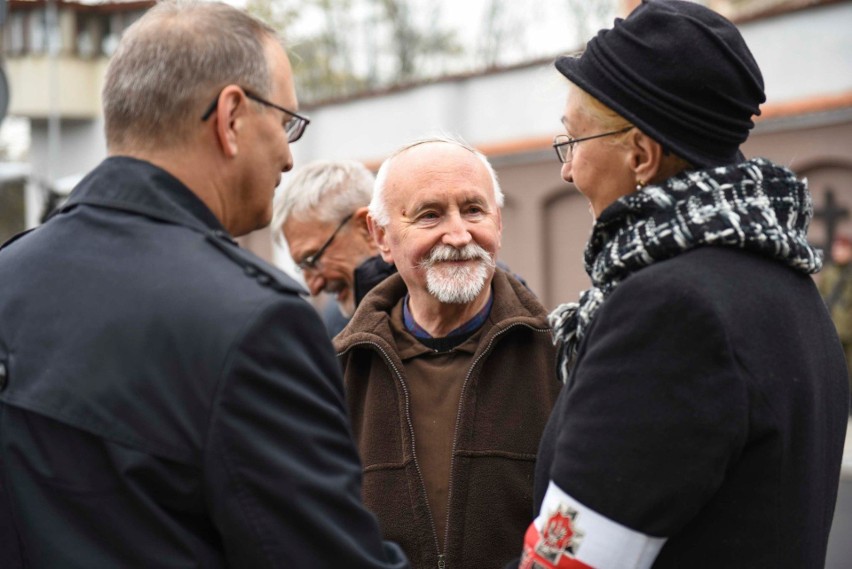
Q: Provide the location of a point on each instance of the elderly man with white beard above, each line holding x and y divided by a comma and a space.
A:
448, 365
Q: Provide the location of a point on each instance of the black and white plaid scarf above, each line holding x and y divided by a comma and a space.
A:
755, 205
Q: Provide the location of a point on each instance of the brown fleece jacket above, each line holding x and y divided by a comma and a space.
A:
505, 402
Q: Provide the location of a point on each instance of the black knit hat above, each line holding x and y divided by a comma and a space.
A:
678, 71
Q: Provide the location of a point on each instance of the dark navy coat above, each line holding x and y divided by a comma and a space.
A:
167, 399
708, 406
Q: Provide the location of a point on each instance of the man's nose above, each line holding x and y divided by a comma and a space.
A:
566, 172
315, 281
457, 234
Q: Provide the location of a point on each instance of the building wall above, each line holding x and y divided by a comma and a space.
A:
818, 148
83, 147
510, 114
66, 85
546, 224
804, 53
11, 208
523, 102
61, 75
806, 58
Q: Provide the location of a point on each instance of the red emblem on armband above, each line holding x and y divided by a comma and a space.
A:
556, 545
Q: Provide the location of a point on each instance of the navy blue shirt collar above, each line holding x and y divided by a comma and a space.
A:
467, 328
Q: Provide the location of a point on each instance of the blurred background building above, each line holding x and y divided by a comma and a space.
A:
512, 113
56, 51
55, 55
414, 77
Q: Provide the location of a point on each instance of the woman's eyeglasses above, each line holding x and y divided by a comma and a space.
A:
564, 144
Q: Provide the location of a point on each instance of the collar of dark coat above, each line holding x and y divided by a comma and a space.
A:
130, 184
136, 186
513, 304
370, 273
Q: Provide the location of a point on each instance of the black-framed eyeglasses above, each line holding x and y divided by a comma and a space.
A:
310, 262
295, 127
564, 144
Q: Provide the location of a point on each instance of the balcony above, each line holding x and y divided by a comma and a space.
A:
81, 35
77, 81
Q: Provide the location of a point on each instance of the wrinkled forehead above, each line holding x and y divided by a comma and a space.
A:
428, 170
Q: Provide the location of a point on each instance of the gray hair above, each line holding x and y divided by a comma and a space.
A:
169, 65
378, 206
329, 190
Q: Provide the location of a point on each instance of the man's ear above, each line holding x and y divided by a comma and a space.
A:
230, 115
359, 219
380, 237
499, 228
646, 157
362, 228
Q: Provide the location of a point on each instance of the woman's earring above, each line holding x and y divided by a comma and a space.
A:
639, 185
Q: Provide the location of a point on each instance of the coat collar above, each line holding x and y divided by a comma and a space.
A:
130, 184
513, 304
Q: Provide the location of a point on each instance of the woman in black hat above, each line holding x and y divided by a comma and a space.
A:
704, 413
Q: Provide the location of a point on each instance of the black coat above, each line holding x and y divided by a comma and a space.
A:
168, 399
708, 406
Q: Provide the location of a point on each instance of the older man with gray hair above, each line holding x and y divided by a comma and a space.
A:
448, 365
322, 216
166, 398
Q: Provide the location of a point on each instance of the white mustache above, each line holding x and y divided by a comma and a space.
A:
469, 252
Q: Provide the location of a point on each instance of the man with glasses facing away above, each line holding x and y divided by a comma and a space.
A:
166, 398
449, 365
322, 216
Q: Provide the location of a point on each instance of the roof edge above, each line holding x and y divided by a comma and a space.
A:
769, 112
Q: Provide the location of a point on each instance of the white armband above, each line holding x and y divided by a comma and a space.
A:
568, 535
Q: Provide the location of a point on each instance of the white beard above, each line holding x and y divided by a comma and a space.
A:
454, 284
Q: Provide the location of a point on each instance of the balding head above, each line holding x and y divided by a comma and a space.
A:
435, 214
378, 209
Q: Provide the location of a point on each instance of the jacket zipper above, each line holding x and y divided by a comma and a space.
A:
442, 563
485, 352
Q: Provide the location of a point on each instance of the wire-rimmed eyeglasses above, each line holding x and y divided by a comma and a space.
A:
564, 144
310, 262
295, 127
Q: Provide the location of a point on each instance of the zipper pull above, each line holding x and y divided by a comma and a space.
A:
441, 563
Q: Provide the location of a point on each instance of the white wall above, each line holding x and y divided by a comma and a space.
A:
514, 104
82, 147
805, 53
802, 54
